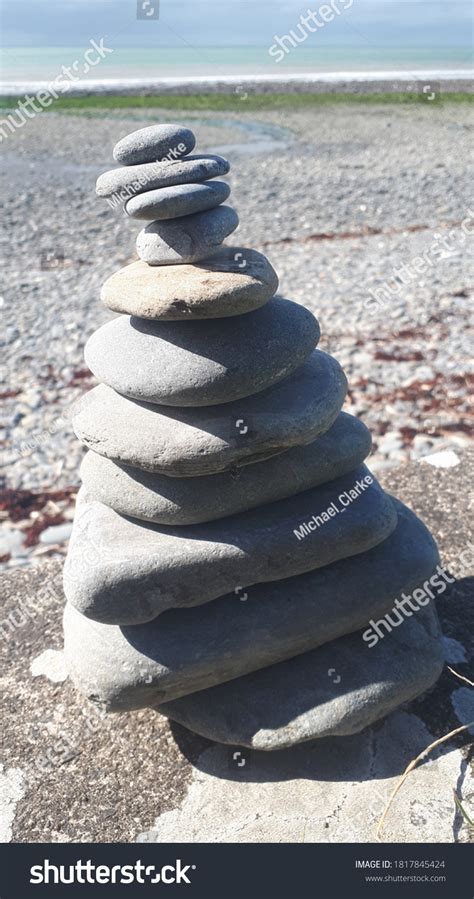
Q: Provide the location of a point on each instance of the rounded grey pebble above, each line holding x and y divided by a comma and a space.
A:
151, 496
122, 571
202, 363
192, 649
130, 180
174, 202
189, 442
296, 700
154, 143
187, 239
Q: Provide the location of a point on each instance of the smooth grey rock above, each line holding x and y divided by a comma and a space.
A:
232, 281
173, 202
202, 363
186, 239
121, 571
154, 143
176, 501
128, 181
185, 650
335, 690
211, 439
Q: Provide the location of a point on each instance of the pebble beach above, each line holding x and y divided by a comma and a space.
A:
363, 210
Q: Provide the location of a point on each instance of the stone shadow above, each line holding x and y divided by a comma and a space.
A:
357, 757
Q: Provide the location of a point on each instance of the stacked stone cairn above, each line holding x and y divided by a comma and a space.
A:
233, 560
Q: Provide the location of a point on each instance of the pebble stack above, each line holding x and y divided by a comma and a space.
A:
230, 548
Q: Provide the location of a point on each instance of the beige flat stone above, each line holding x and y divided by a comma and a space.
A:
232, 281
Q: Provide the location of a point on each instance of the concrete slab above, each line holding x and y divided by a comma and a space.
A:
334, 791
11, 791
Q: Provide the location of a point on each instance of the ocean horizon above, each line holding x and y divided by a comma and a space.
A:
31, 64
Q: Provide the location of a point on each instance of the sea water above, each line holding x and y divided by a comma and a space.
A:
42, 64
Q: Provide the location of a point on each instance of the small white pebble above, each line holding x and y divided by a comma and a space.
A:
51, 664
57, 533
444, 459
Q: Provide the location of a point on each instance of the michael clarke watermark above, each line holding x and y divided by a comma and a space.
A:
344, 500
139, 183
66, 746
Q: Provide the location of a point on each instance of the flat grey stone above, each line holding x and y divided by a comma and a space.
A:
187, 239
211, 439
154, 143
173, 202
185, 650
121, 571
232, 281
176, 501
335, 690
127, 181
202, 363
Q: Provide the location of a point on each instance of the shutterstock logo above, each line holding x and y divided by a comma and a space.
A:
87, 872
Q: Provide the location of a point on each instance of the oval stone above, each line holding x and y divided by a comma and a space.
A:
310, 704
154, 143
232, 281
121, 571
187, 239
189, 442
192, 649
179, 501
202, 363
174, 202
126, 182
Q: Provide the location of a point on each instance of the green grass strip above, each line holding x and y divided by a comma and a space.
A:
238, 101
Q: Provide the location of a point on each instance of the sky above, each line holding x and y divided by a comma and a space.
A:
221, 23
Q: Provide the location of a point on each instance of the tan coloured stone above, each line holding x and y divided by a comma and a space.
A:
232, 281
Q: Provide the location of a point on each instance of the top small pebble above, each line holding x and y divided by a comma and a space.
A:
157, 143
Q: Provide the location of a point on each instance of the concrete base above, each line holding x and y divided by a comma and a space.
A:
334, 791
